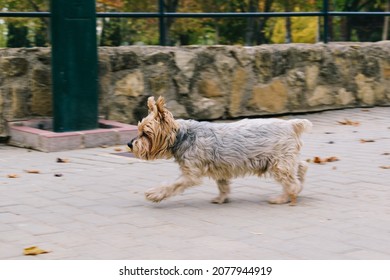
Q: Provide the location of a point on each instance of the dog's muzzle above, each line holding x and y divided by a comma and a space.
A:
130, 144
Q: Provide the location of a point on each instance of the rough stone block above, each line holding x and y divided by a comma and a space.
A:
208, 82
270, 98
131, 85
14, 66
210, 88
239, 83
19, 100
322, 95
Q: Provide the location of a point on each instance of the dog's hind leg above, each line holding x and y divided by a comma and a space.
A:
291, 185
224, 190
163, 192
302, 168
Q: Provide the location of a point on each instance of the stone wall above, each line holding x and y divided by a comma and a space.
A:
208, 82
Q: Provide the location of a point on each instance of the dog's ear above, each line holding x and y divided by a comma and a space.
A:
165, 115
152, 106
161, 105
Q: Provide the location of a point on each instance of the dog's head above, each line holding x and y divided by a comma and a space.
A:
156, 132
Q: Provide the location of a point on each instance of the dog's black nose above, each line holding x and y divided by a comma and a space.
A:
130, 144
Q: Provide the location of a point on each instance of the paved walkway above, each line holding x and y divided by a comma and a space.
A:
92, 205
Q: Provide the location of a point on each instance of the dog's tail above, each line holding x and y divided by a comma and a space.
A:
301, 125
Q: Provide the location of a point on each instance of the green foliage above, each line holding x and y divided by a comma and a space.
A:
304, 30
22, 32
187, 31
3, 39
111, 32
17, 36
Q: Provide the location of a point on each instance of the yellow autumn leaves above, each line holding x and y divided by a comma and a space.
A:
34, 250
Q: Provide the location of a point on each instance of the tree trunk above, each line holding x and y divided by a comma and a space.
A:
260, 35
43, 34
287, 8
251, 23
111, 32
386, 23
170, 7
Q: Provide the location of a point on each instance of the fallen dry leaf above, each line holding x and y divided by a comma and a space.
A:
118, 150
331, 159
349, 122
13, 176
319, 160
386, 154
34, 250
62, 160
32, 171
366, 140
385, 166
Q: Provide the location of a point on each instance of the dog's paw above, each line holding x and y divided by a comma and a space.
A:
220, 200
282, 199
155, 194
293, 200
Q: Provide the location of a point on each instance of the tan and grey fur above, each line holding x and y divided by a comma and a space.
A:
222, 151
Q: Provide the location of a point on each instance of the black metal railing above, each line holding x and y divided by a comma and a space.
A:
325, 13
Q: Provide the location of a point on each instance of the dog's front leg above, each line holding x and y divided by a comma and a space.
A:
163, 192
224, 190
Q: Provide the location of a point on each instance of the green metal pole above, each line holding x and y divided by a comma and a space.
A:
325, 10
162, 23
74, 65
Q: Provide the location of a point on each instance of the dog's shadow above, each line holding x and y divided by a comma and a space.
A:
187, 202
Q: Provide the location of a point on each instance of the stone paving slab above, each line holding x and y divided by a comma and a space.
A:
96, 209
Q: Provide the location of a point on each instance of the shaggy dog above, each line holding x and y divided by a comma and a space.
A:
222, 151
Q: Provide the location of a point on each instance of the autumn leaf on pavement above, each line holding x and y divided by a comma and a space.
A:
385, 166
349, 122
331, 159
33, 171
34, 250
62, 160
319, 160
366, 140
13, 176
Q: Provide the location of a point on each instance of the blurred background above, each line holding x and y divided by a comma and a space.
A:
31, 32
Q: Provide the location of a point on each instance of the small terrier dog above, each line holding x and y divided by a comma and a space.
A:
222, 151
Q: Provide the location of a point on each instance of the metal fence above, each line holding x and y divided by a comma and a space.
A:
161, 14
